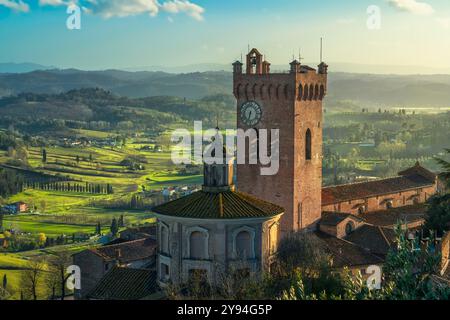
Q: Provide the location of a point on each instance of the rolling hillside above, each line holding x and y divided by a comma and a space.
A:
386, 90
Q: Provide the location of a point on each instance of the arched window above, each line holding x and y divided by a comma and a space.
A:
164, 240
322, 92
305, 93
198, 245
261, 91
316, 92
300, 92
311, 92
349, 228
308, 154
244, 244
238, 90
254, 90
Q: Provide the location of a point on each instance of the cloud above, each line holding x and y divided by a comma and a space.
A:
18, 5
191, 9
119, 8
52, 2
412, 6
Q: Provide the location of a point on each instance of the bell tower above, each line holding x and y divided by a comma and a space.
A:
292, 103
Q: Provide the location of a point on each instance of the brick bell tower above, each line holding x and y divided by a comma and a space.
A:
292, 103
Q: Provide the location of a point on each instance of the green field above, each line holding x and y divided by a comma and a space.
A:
62, 212
13, 265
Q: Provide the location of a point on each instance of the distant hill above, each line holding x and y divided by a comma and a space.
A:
384, 90
31, 111
22, 67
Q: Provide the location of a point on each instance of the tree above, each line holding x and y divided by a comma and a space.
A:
77, 159
5, 281
1, 222
42, 238
44, 156
31, 278
114, 227
438, 206
438, 213
409, 272
446, 168
98, 228
121, 221
57, 278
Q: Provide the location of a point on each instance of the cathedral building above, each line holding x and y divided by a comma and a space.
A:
227, 227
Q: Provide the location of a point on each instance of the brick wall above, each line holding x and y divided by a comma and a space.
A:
288, 107
377, 203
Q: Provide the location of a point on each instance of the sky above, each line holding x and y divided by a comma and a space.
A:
136, 33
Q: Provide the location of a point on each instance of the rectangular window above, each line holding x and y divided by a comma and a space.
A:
165, 272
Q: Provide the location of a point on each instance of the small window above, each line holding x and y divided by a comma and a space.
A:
165, 272
106, 266
308, 152
349, 228
389, 204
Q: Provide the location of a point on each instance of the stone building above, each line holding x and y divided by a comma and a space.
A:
96, 263
215, 231
412, 187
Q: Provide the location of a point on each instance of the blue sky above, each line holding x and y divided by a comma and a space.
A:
135, 33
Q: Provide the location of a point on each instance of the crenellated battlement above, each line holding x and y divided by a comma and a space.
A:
301, 83
290, 102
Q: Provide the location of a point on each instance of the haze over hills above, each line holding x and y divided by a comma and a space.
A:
22, 67
387, 90
334, 67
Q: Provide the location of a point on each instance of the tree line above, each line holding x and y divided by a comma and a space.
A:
92, 188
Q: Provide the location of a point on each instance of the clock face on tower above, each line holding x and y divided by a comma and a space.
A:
251, 113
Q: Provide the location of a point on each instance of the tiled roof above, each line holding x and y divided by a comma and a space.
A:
347, 192
390, 217
334, 218
128, 251
139, 232
125, 284
345, 253
376, 239
223, 205
419, 170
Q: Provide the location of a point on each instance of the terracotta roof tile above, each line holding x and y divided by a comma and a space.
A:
347, 192
390, 217
224, 205
334, 218
345, 253
125, 284
129, 251
376, 239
